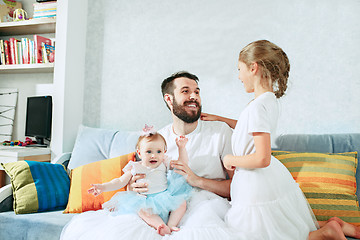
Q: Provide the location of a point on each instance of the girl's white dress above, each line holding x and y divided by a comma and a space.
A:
167, 191
266, 202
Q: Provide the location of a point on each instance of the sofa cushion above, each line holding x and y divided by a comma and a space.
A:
92, 144
34, 226
38, 186
93, 173
123, 143
325, 143
328, 182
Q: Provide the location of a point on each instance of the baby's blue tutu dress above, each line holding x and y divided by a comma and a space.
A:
160, 203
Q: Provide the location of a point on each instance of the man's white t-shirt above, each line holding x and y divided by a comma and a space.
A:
207, 146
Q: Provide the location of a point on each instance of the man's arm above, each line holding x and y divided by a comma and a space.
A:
219, 187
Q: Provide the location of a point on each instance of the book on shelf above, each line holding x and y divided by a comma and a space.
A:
38, 42
48, 53
20, 53
12, 50
27, 51
45, 9
7, 52
2, 52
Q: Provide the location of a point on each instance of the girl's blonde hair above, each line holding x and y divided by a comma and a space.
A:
150, 137
273, 62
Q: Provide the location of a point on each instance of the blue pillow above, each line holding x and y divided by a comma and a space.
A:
38, 186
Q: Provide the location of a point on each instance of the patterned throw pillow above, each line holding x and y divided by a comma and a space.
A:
328, 182
97, 172
38, 186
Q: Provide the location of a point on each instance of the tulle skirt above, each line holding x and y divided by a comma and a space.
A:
268, 204
160, 203
203, 220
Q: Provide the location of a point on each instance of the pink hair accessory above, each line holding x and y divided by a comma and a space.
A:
148, 130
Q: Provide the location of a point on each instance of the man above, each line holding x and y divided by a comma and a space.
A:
208, 144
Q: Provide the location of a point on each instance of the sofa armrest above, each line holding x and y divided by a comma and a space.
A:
61, 159
6, 198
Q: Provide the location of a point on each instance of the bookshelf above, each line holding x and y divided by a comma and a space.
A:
39, 26
27, 68
33, 26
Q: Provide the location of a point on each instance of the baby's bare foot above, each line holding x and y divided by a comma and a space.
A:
163, 229
174, 229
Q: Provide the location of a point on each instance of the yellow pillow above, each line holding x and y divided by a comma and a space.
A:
328, 182
97, 172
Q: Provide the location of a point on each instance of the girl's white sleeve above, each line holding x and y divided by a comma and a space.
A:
259, 119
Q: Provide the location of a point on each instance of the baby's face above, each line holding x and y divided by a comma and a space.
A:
152, 153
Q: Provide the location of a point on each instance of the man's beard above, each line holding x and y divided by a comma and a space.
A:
180, 112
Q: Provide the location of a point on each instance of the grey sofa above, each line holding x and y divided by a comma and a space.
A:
98, 144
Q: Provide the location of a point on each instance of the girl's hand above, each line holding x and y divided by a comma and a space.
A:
96, 189
184, 170
209, 117
227, 163
181, 141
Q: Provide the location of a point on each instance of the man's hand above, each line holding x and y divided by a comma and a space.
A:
183, 169
137, 187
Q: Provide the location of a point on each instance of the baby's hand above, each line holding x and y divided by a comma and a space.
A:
181, 141
209, 117
96, 189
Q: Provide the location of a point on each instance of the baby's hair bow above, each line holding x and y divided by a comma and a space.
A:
148, 130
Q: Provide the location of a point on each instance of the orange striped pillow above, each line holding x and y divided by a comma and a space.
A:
328, 182
96, 172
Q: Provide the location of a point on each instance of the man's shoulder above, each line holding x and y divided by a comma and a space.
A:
210, 127
215, 126
165, 130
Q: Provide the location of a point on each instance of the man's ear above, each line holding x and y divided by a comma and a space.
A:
168, 99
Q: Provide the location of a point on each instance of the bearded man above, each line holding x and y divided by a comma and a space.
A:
208, 143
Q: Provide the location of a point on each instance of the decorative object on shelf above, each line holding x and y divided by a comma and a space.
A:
8, 99
19, 15
7, 8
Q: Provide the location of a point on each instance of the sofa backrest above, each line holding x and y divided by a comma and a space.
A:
322, 143
95, 144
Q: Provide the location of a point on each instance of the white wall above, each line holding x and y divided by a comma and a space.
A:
133, 45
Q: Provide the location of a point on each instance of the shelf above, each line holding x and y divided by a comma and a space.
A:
32, 26
27, 68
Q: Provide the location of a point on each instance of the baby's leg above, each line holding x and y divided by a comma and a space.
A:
175, 217
155, 221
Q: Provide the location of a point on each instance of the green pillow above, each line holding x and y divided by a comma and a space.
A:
38, 186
